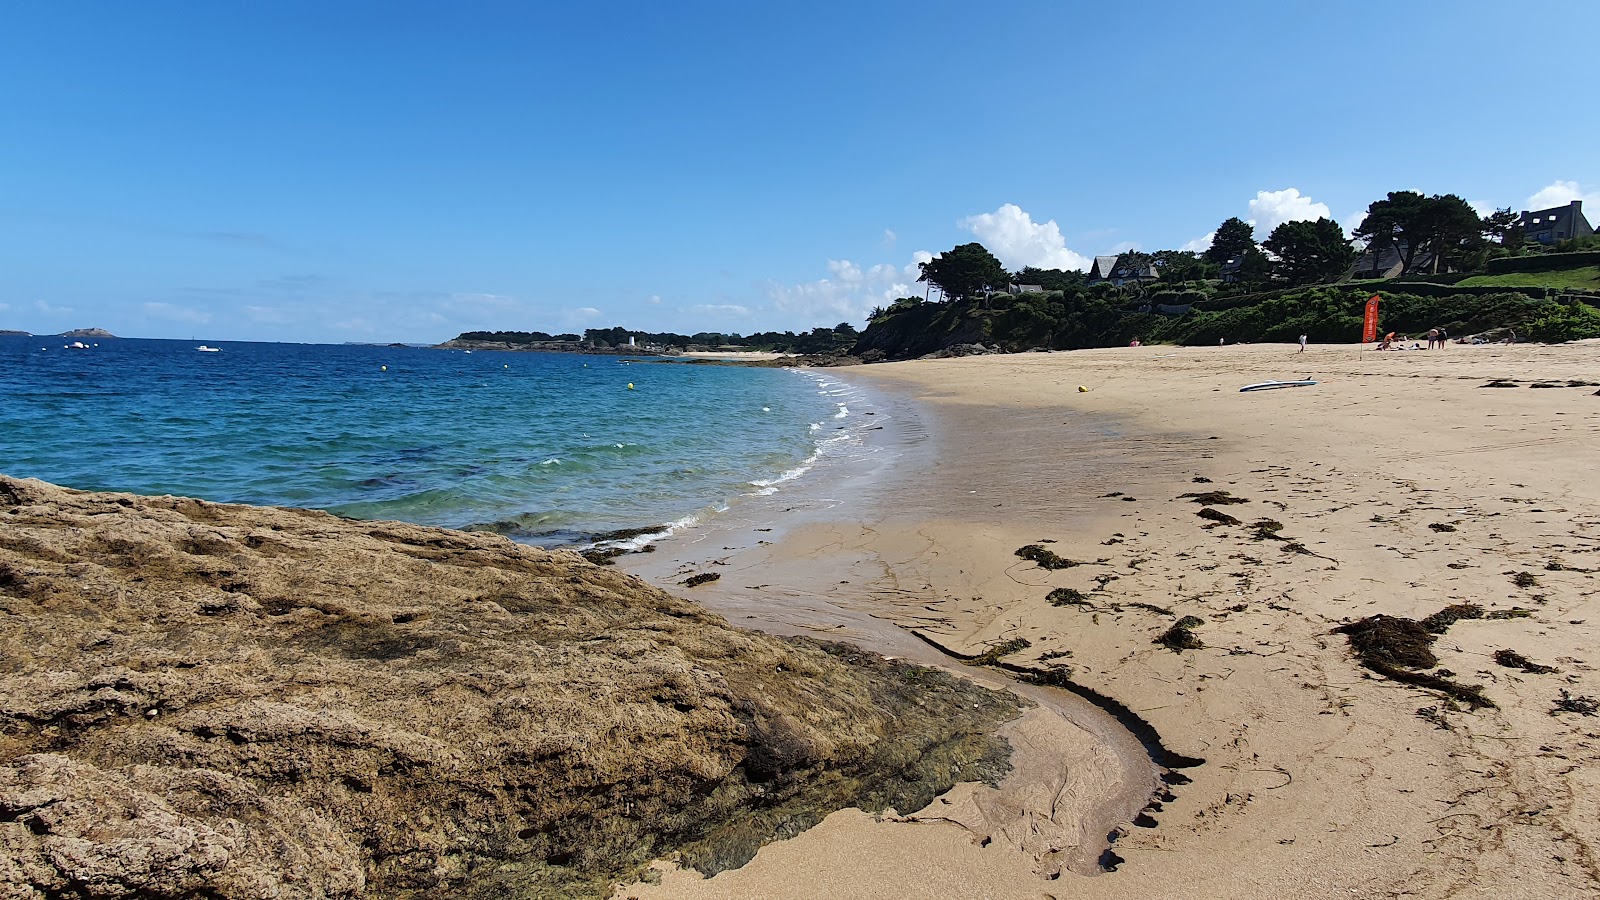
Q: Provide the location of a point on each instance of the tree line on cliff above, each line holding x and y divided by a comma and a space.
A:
1296, 281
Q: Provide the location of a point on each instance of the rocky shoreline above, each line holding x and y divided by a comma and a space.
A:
225, 701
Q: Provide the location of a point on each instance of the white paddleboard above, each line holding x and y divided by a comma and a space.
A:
1274, 385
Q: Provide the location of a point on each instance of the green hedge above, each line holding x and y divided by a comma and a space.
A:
1549, 262
1428, 289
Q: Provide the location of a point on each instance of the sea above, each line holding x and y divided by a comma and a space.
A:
553, 449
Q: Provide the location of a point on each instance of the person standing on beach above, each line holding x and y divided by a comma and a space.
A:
1433, 337
1443, 336
1302, 343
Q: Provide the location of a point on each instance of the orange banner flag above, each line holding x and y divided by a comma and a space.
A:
1369, 327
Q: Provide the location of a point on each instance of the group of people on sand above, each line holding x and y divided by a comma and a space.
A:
1436, 341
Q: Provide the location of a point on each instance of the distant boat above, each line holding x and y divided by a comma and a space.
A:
204, 349
76, 345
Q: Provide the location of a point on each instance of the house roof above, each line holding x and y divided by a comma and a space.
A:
1388, 258
1562, 217
1102, 266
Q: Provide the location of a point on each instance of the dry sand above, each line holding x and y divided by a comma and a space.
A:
1402, 485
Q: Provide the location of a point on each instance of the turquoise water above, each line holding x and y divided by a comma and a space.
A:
550, 448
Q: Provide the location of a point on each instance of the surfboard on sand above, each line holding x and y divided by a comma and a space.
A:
1274, 385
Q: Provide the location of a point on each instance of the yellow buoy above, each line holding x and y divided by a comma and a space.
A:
1082, 389
630, 385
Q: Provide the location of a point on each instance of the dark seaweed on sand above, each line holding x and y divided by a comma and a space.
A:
1511, 659
1392, 646
1217, 516
702, 578
1444, 618
1067, 597
1583, 706
1265, 529
1045, 559
1213, 498
1181, 635
1005, 648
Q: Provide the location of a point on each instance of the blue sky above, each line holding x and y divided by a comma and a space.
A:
405, 171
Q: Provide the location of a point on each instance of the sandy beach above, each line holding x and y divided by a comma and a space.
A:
1402, 484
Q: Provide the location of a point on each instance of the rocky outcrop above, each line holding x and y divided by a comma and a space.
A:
201, 700
921, 330
87, 333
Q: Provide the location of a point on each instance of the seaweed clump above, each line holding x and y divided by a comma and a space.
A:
1213, 498
1068, 597
1181, 635
1583, 706
1394, 646
1392, 641
1444, 618
1043, 558
1516, 612
602, 557
1005, 648
1442, 526
1216, 516
702, 578
1525, 580
1265, 530
1511, 659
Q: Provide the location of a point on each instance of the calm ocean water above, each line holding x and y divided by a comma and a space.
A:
552, 448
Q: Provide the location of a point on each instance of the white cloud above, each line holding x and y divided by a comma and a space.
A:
655, 300
1124, 247
49, 310
1560, 193
848, 294
1199, 244
720, 309
173, 313
1481, 207
1012, 235
1273, 208
586, 311
913, 270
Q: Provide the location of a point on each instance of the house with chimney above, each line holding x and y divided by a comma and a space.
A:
1560, 223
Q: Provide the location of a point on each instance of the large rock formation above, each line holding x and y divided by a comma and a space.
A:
199, 700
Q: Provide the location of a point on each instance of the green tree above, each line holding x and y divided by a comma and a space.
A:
1310, 252
1234, 237
1255, 272
1179, 265
1504, 227
1435, 231
1454, 230
1395, 223
1053, 279
964, 272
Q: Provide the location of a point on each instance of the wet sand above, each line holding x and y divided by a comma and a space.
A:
1398, 485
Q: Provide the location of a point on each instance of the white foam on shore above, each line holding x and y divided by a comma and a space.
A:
639, 541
